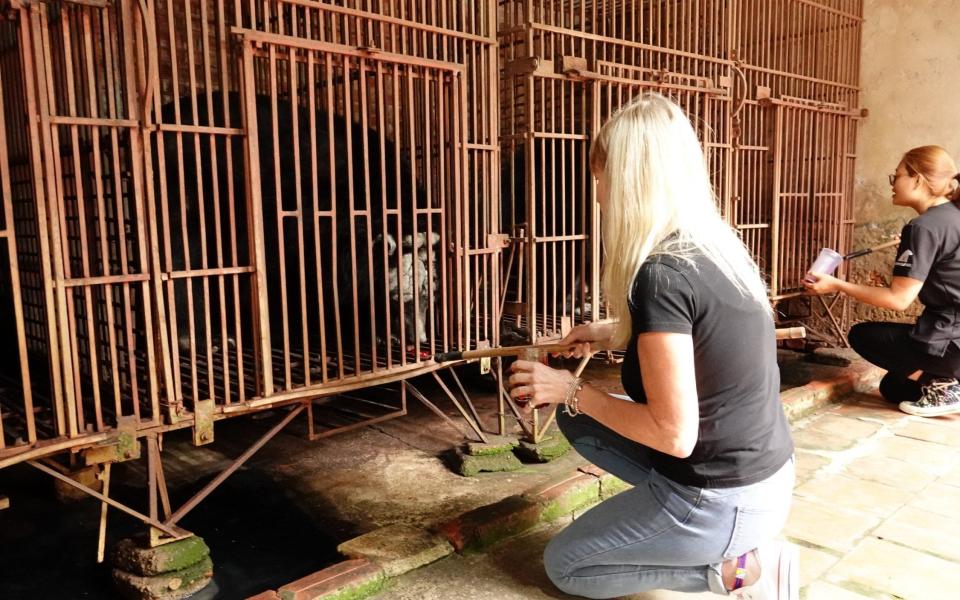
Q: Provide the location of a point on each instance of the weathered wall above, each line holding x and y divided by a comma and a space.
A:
910, 76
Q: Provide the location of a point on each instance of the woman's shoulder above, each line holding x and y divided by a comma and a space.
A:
665, 272
937, 218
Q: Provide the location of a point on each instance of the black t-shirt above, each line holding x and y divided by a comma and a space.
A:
743, 436
930, 252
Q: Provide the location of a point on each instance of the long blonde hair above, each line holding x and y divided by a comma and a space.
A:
657, 186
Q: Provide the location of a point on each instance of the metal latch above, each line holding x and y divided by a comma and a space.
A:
120, 446
203, 422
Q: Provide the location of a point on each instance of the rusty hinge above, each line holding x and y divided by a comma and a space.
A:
528, 65
484, 361
763, 95
576, 66
498, 240
203, 422
120, 446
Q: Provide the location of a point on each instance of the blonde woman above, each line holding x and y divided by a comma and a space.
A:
702, 437
923, 358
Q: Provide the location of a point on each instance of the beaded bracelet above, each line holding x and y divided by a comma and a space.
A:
571, 403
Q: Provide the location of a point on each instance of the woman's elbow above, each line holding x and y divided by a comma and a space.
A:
684, 448
681, 443
901, 304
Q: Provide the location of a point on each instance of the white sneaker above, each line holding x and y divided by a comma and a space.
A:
779, 573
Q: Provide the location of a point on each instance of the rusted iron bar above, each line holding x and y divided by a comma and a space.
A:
169, 530
236, 464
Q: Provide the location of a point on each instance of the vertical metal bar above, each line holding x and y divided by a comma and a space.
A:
335, 202
461, 185
776, 144
298, 177
384, 224
14, 266
315, 216
255, 209
279, 212
102, 537
43, 102
101, 214
137, 160
368, 209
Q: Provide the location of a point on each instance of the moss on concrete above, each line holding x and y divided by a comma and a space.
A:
167, 586
611, 485
550, 448
572, 500
494, 445
135, 556
363, 590
471, 466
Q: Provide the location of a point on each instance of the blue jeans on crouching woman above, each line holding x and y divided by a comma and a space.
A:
659, 534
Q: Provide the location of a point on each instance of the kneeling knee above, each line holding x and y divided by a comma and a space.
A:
557, 566
855, 336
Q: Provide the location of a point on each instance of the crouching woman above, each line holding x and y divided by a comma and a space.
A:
701, 436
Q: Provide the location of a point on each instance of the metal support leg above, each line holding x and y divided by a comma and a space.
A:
433, 407
102, 540
168, 529
474, 425
193, 502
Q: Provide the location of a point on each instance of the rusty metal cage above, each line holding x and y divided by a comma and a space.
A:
211, 206
566, 67
771, 87
797, 146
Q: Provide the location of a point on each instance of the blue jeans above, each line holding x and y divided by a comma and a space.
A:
659, 534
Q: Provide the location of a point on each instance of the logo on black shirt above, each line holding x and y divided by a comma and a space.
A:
905, 259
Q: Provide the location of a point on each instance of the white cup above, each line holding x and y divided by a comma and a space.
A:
826, 263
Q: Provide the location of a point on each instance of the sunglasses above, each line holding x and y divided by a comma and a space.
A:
892, 178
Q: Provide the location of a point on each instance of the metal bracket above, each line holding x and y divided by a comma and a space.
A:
122, 445
203, 422
159, 538
575, 66
566, 324
498, 240
529, 65
485, 361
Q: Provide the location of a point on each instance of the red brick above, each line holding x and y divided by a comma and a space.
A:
592, 470
488, 524
556, 489
349, 573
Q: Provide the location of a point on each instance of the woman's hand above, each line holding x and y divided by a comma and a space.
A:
534, 384
825, 284
582, 336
